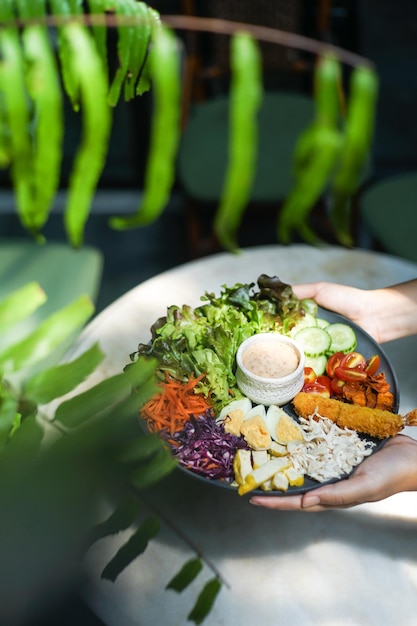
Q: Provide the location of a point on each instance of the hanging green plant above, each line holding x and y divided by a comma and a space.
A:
165, 130
329, 159
245, 101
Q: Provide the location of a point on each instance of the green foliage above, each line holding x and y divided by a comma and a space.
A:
331, 154
205, 601
135, 545
246, 97
333, 150
121, 518
56, 471
186, 575
90, 81
20, 304
164, 64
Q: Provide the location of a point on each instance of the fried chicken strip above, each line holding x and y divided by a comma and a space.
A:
374, 422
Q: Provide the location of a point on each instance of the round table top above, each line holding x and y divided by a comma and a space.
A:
339, 568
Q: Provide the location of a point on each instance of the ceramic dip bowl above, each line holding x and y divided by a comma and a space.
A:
270, 368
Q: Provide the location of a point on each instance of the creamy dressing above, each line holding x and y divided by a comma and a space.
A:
270, 359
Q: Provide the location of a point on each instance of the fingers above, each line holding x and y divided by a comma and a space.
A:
391, 470
279, 503
341, 495
306, 290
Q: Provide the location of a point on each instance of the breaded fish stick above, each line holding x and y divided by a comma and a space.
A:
374, 422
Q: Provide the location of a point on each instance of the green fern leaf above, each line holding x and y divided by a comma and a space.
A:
186, 575
120, 519
135, 546
205, 601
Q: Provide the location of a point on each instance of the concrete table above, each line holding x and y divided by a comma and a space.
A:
339, 568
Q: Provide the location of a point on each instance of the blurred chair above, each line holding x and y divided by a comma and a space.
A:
286, 110
388, 214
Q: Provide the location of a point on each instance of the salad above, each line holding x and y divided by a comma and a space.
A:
196, 353
204, 341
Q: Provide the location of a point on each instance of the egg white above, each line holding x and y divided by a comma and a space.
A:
243, 404
273, 415
258, 409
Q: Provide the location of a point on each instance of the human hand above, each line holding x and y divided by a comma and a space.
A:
390, 470
355, 304
386, 314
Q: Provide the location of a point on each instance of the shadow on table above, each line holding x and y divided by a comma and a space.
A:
227, 525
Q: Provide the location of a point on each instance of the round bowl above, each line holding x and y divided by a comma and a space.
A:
281, 375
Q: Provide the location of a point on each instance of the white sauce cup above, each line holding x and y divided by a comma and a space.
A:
271, 387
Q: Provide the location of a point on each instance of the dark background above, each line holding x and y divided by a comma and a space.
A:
382, 30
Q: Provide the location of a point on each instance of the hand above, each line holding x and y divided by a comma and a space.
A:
390, 470
386, 314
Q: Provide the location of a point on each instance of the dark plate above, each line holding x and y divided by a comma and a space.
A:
368, 347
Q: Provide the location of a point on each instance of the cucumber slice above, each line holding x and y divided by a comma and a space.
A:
343, 338
321, 323
314, 341
306, 321
318, 363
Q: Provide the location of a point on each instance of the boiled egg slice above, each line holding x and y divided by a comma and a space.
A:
282, 427
273, 415
255, 430
233, 415
257, 410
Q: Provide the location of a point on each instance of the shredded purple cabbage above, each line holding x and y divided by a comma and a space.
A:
203, 447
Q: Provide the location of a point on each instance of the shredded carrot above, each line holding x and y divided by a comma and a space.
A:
169, 410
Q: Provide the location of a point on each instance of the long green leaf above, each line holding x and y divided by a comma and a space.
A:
186, 575
44, 88
20, 304
120, 519
61, 8
12, 87
135, 546
56, 381
140, 448
28, 9
165, 131
245, 100
82, 407
138, 52
26, 440
155, 469
8, 410
88, 70
47, 337
97, 7
123, 8
75, 6
78, 410
7, 10
357, 141
205, 601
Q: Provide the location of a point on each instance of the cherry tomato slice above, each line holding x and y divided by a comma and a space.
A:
325, 381
337, 386
353, 360
351, 373
333, 362
316, 388
372, 365
309, 375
